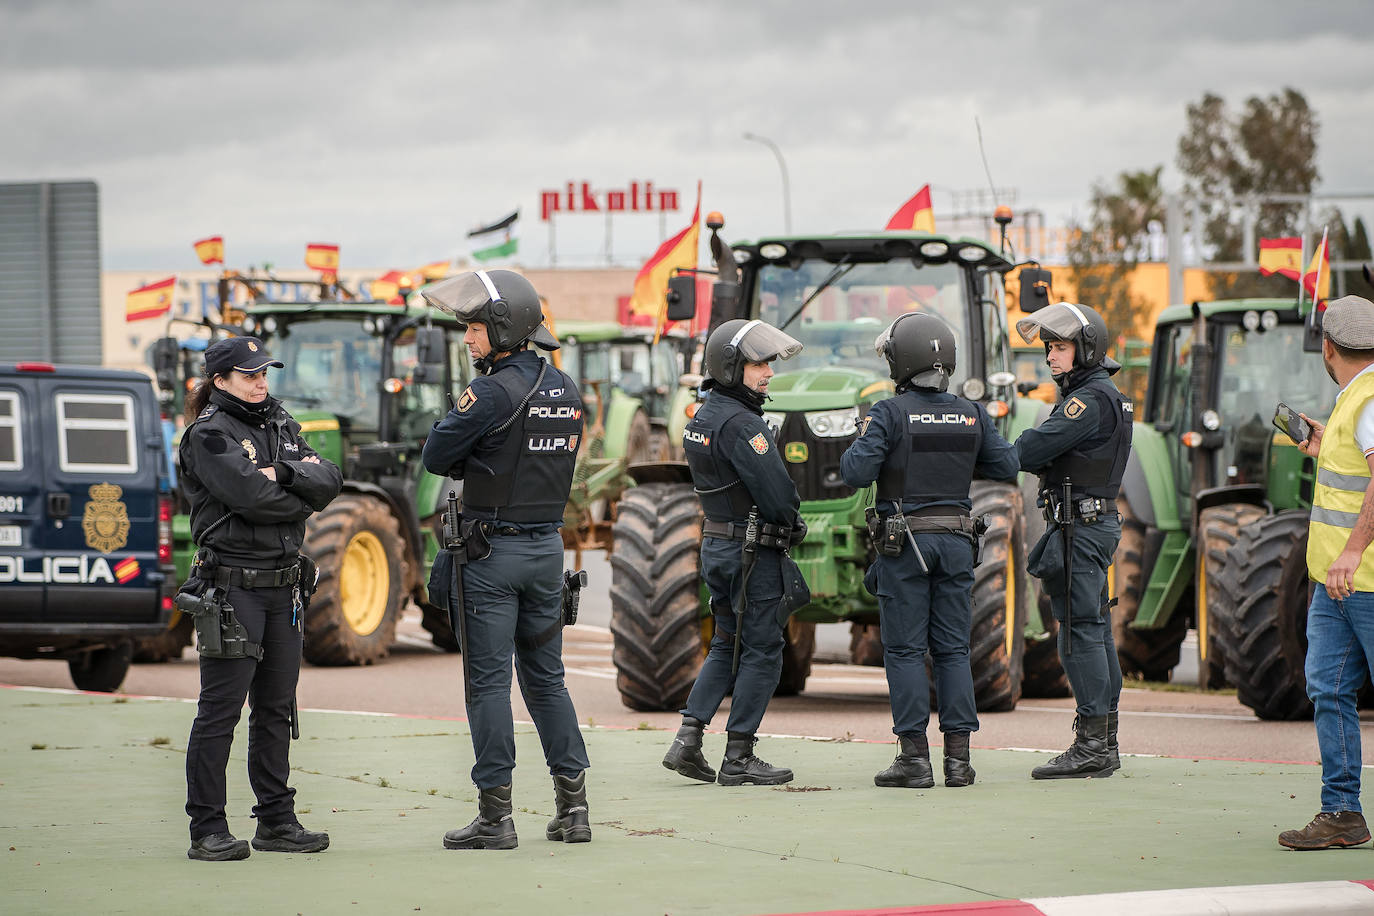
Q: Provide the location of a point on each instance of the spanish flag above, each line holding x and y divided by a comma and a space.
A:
1317, 279
322, 257
916, 215
434, 270
211, 250
1280, 256
387, 287
149, 301
126, 569
651, 283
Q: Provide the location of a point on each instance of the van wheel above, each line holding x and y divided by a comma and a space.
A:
101, 670
166, 645
356, 543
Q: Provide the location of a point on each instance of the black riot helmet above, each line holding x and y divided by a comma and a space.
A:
502, 300
739, 341
1078, 324
920, 350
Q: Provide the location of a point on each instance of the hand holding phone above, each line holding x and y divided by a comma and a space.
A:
1287, 421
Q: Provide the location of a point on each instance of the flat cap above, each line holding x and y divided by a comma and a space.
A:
1349, 321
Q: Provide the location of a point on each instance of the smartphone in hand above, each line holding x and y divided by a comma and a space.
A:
1287, 421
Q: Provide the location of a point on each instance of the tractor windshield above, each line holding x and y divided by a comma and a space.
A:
331, 365
846, 314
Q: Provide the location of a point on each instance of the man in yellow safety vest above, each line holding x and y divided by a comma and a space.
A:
1340, 560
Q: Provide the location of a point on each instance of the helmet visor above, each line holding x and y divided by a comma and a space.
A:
758, 342
1061, 321
464, 295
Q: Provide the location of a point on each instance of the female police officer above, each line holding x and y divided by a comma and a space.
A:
738, 474
252, 482
513, 438
923, 447
1082, 446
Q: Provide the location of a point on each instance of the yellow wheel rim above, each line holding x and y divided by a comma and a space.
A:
364, 583
1011, 600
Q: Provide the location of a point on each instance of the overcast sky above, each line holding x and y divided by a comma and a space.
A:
394, 129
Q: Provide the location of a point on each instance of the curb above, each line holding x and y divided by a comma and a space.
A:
1330, 898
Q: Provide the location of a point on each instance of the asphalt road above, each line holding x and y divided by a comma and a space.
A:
841, 701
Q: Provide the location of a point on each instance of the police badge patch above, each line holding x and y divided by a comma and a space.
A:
249, 450
1073, 408
466, 400
760, 444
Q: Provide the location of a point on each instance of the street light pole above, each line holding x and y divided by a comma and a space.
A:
786, 185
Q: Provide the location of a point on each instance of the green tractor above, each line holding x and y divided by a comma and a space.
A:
1215, 503
366, 381
835, 294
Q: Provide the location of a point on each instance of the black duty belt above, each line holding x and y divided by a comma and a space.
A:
937, 512
945, 522
1087, 508
247, 577
734, 531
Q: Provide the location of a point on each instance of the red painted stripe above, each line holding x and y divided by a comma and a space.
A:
984, 908
125, 562
1368, 884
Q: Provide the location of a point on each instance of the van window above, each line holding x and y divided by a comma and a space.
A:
96, 433
11, 434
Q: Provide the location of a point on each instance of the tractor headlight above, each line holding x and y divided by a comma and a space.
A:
832, 424
1269, 320
1251, 320
773, 251
1211, 420
269, 325
973, 389
934, 249
248, 324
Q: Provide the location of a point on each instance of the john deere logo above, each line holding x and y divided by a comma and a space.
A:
796, 452
106, 520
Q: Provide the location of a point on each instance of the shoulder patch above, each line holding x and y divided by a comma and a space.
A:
760, 443
1073, 408
466, 400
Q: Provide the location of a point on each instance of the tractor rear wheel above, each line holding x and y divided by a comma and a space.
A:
357, 544
865, 644
1151, 654
1218, 529
1043, 675
656, 630
796, 657
168, 644
1261, 597
997, 640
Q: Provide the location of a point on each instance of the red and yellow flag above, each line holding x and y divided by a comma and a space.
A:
435, 270
1280, 256
322, 257
149, 301
651, 283
1317, 279
916, 215
211, 250
126, 569
387, 287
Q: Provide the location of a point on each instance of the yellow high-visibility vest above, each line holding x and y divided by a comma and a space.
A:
1342, 479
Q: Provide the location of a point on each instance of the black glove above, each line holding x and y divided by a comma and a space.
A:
798, 532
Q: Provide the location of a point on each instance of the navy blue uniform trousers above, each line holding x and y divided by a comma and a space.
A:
269, 686
1092, 667
511, 597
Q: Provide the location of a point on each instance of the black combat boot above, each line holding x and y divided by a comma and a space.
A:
911, 768
1113, 752
492, 828
570, 824
685, 755
740, 767
218, 847
958, 771
1086, 757
288, 837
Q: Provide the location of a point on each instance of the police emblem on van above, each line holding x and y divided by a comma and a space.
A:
106, 519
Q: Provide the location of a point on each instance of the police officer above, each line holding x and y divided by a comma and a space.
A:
737, 471
1084, 442
923, 447
512, 438
252, 482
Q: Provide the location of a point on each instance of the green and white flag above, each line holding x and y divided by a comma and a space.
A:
496, 240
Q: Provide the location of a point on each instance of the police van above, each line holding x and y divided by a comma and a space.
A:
85, 518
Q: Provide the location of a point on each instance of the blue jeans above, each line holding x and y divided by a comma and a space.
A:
1340, 642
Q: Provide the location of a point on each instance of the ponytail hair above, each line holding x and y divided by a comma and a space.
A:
199, 397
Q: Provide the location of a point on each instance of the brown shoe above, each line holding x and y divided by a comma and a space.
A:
1328, 829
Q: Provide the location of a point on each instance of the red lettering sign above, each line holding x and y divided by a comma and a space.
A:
581, 197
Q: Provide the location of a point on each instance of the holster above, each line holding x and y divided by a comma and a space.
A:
219, 634
573, 583
476, 545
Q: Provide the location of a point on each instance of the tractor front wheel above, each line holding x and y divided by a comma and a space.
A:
1151, 654
997, 640
796, 657
1219, 529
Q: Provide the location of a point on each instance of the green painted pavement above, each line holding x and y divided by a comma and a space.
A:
92, 787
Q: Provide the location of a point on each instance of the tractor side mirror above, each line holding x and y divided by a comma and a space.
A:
429, 353
164, 354
1035, 288
682, 297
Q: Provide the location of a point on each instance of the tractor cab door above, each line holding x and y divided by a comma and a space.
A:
1170, 407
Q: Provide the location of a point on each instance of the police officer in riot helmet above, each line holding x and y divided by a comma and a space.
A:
739, 476
923, 447
512, 438
252, 481
1084, 444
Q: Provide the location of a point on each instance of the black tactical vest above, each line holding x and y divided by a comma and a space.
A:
1096, 466
934, 459
525, 473
707, 440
